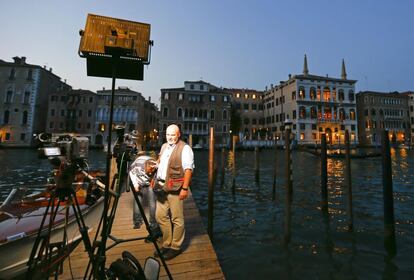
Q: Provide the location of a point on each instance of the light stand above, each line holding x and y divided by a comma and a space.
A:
113, 48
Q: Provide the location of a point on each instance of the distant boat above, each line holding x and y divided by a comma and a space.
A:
21, 216
197, 147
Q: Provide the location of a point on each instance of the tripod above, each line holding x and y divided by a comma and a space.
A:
97, 263
45, 256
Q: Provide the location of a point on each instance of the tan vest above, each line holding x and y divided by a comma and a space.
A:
175, 174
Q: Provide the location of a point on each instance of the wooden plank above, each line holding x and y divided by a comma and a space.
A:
198, 260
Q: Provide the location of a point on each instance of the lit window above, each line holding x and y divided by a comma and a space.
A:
246, 95
238, 95
254, 96
302, 136
102, 127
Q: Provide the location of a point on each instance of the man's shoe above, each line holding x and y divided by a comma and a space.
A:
137, 226
163, 252
171, 253
156, 233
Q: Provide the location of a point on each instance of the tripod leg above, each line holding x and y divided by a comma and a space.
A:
43, 254
99, 258
150, 231
38, 237
81, 224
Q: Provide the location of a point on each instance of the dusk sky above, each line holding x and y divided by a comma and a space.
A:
229, 43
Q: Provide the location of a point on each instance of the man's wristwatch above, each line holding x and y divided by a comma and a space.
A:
186, 189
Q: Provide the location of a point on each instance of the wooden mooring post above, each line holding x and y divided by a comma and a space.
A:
257, 163
348, 180
275, 172
389, 223
289, 187
233, 185
288, 165
223, 166
324, 171
190, 140
211, 184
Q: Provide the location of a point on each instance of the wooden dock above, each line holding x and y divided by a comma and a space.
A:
198, 260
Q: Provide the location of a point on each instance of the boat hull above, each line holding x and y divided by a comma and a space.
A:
15, 251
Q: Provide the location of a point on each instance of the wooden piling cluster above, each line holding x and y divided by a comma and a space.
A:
389, 223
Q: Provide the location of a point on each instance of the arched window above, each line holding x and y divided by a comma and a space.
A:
352, 114
212, 115
24, 119
341, 95
319, 112
205, 114
313, 112
12, 74
302, 112
9, 96
334, 94
318, 93
6, 116
342, 114
327, 111
186, 113
302, 94
351, 95
29, 74
373, 112
165, 112
224, 115
191, 113
179, 113
312, 93
246, 121
381, 112
326, 94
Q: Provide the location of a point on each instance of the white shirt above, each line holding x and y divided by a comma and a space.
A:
187, 160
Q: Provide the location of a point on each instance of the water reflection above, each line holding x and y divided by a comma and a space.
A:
322, 245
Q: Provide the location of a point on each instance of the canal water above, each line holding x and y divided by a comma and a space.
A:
249, 226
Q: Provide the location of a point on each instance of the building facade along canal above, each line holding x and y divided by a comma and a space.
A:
316, 104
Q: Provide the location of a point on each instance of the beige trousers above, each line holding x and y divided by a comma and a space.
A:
172, 227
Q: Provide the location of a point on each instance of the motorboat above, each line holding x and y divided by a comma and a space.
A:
21, 215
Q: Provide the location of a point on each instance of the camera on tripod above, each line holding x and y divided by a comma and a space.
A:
73, 149
67, 154
125, 145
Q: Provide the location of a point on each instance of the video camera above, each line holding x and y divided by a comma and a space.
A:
67, 154
73, 149
125, 144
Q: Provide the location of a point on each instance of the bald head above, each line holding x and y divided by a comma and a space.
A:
173, 133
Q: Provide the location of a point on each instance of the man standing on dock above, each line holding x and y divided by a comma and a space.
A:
175, 169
